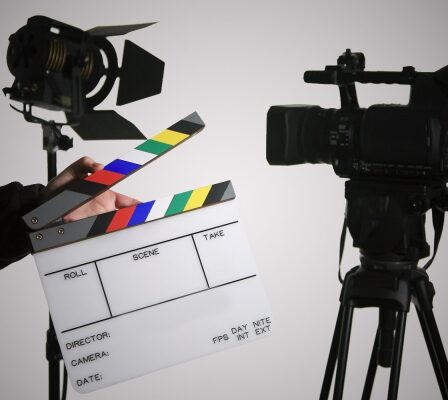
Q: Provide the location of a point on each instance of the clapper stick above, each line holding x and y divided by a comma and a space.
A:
81, 191
127, 217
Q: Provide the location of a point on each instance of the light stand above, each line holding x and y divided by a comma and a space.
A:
53, 140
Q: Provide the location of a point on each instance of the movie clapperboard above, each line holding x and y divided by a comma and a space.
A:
148, 286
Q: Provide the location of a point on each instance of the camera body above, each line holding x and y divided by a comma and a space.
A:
385, 141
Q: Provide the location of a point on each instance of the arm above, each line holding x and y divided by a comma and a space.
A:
16, 200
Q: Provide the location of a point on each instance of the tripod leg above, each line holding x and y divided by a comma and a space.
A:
344, 341
332, 358
435, 349
371, 371
424, 293
396, 355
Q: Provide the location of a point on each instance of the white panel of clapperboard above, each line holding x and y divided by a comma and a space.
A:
154, 295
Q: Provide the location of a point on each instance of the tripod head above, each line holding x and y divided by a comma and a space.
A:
387, 220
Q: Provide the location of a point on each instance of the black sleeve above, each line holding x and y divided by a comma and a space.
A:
15, 201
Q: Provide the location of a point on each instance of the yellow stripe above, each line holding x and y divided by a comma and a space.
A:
170, 137
197, 198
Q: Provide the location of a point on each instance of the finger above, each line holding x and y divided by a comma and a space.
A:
82, 167
78, 170
103, 203
80, 213
122, 200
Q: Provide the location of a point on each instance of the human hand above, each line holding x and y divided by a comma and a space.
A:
107, 201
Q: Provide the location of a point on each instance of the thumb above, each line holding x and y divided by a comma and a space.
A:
78, 170
122, 201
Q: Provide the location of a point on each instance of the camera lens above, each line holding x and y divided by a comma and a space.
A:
298, 134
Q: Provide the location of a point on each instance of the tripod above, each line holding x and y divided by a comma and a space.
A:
387, 223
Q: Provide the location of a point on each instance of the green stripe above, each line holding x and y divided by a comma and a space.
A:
154, 147
178, 203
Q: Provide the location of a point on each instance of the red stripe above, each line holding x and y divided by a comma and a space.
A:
121, 219
104, 177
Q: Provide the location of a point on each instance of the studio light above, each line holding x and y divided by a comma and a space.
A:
62, 68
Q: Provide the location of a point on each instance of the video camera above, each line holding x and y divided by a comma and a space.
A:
405, 143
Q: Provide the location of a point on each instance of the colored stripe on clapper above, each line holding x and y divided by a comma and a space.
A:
131, 216
81, 191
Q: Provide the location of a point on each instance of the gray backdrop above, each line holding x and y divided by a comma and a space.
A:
231, 60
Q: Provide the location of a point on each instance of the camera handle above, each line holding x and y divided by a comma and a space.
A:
428, 89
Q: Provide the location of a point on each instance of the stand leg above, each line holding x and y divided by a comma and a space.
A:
332, 358
344, 341
51, 165
435, 349
424, 293
396, 355
53, 351
53, 357
371, 371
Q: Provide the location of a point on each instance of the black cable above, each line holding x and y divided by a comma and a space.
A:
438, 218
341, 247
64, 385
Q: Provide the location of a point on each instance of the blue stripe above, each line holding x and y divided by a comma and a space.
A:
121, 167
141, 212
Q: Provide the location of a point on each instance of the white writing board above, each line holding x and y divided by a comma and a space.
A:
153, 295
